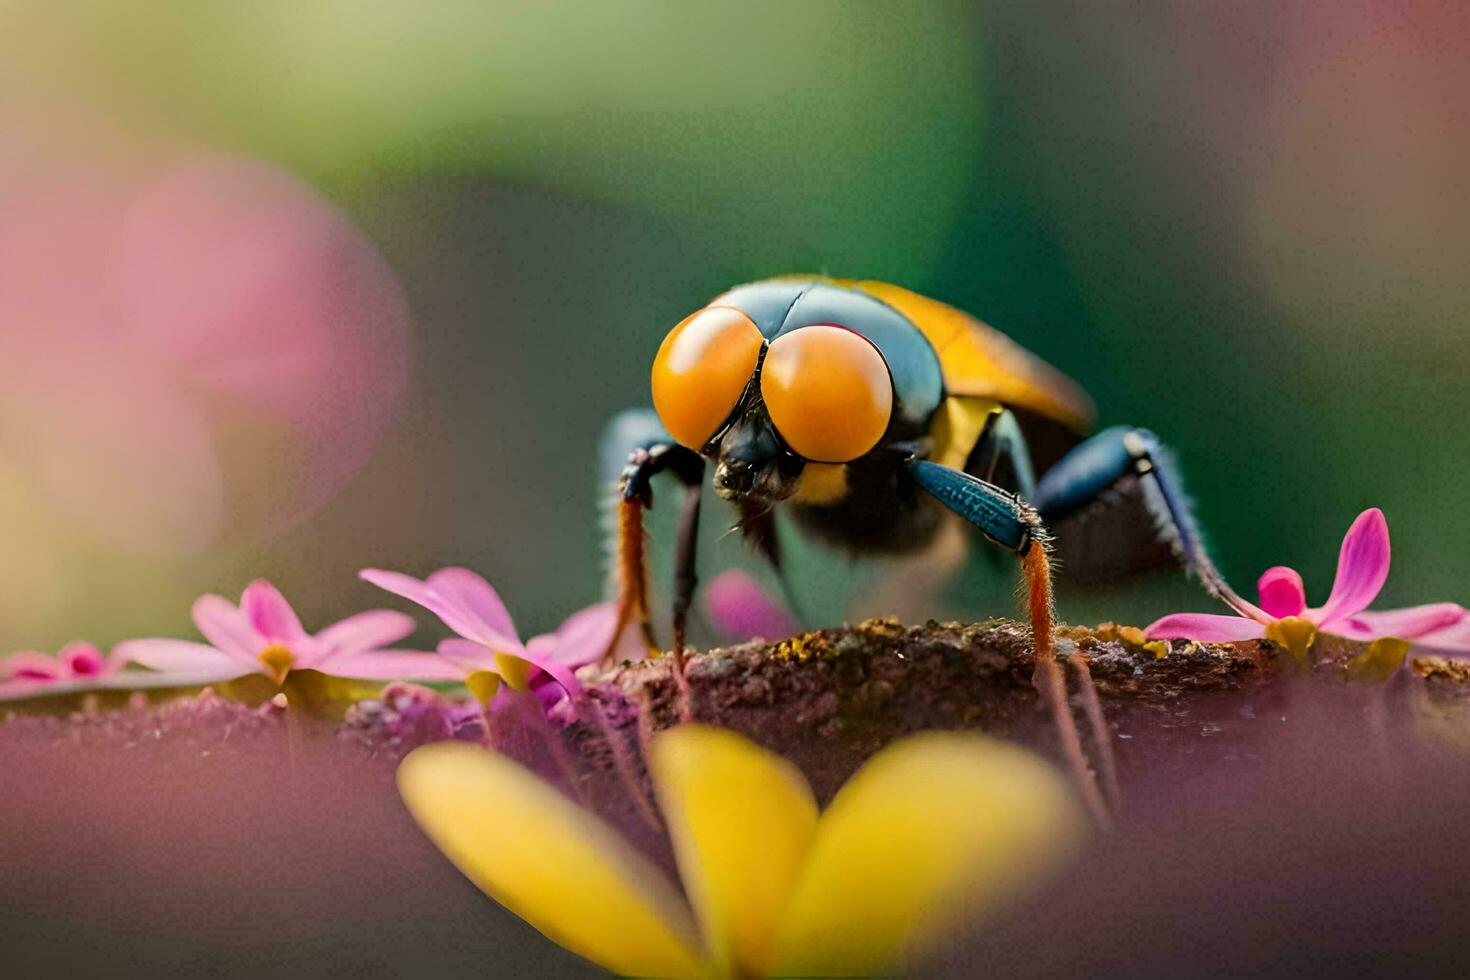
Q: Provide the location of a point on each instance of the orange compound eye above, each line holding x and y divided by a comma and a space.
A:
701, 370
828, 391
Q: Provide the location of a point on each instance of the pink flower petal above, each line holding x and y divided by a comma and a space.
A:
116, 661
477, 599
365, 631
1408, 623
1282, 593
584, 636
454, 615
1206, 628
543, 646
271, 615
558, 671
741, 610
414, 590
24, 687
467, 655
1362, 568
548, 691
29, 665
395, 665
546, 687
227, 629
82, 660
181, 655
1453, 640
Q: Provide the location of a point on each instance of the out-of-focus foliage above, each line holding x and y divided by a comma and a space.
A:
782, 124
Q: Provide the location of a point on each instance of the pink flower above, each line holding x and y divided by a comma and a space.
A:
488, 650
581, 639
263, 635
1362, 568
740, 610
24, 672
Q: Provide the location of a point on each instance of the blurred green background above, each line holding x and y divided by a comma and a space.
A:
1244, 226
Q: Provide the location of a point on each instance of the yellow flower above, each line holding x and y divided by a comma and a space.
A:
931, 833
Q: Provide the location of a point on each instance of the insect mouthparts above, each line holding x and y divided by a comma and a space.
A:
734, 478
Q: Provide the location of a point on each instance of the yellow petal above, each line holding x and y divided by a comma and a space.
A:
741, 820
515, 671
253, 688
325, 695
1133, 635
1383, 657
277, 661
549, 861
1296, 635
482, 685
932, 832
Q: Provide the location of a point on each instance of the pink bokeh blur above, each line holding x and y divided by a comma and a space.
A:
194, 347
1376, 97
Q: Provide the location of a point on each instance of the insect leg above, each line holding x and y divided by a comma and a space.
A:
1092, 468
648, 451
686, 574
1003, 517
637, 495
1002, 442
1008, 521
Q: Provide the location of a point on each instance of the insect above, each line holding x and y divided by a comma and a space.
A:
867, 412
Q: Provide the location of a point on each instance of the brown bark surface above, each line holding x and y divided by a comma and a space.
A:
829, 699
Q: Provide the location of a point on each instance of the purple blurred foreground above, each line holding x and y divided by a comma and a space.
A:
204, 837
1345, 855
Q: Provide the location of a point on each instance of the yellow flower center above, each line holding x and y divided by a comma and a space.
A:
1295, 634
277, 659
482, 685
513, 670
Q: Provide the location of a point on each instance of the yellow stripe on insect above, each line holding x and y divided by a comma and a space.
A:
821, 483
957, 427
981, 361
